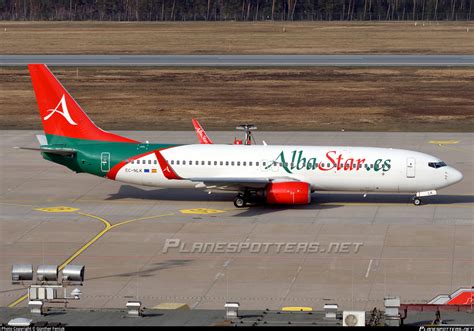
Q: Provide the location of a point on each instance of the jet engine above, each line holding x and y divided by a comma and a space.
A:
288, 193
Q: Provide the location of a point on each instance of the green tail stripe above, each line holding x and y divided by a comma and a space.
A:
91, 153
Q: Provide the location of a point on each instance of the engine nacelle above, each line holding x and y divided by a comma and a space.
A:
288, 193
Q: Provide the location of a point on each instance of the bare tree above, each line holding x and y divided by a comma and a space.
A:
414, 9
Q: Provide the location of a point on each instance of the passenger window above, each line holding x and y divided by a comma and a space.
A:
238, 163
177, 162
155, 162
133, 162
149, 161
184, 162
256, 163
190, 162
203, 162
215, 163
264, 164
208, 162
227, 163
244, 163
250, 163
222, 163
172, 162
232, 163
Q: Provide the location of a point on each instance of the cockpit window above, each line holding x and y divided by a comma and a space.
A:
436, 165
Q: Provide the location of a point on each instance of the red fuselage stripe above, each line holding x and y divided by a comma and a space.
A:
168, 172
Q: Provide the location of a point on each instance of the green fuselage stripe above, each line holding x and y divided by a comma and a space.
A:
91, 153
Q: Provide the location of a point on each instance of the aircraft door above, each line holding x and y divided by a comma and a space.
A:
411, 166
105, 162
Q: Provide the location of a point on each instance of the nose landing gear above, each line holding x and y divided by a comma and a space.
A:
417, 198
417, 201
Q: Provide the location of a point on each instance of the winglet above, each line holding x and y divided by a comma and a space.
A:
168, 172
201, 134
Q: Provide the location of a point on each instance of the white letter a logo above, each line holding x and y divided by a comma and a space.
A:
65, 112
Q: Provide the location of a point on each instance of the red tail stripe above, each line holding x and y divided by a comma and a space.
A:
60, 113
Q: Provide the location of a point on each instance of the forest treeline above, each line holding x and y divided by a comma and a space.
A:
238, 10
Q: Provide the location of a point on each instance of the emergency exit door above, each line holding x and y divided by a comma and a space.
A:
411, 166
105, 162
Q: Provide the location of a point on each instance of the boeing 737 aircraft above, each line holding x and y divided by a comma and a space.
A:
270, 173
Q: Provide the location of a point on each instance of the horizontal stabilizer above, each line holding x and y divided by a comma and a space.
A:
57, 151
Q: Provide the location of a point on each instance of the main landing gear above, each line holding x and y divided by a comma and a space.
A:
249, 196
240, 201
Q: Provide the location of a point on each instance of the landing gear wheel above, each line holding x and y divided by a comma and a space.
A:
239, 201
416, 201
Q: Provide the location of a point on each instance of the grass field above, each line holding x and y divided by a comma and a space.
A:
237, 38
374, 99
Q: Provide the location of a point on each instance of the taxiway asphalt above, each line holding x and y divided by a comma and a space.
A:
119, 231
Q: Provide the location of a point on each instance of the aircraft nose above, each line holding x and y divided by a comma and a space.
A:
454, 175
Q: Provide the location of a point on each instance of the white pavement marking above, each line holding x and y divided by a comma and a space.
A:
368, 268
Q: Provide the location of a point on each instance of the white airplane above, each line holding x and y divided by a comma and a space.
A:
273, 174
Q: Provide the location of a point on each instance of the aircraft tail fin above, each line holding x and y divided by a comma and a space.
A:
201, 134
61, 115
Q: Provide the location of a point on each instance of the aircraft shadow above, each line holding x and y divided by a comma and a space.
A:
262, 209
318, 198
168, 194
148, 272
388, 198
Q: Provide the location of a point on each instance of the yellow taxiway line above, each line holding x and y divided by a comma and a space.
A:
139, 219
107, 227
